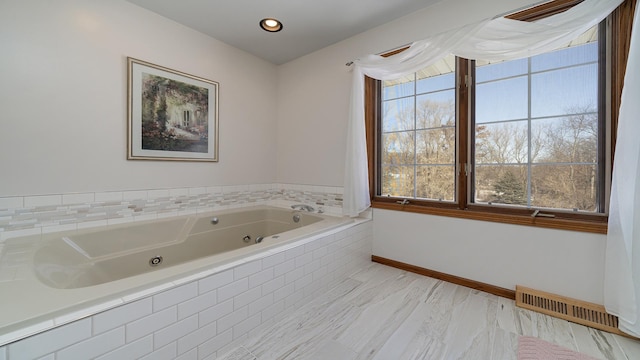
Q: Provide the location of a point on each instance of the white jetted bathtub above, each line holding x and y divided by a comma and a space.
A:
65, 276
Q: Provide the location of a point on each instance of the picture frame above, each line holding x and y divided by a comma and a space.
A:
172, 115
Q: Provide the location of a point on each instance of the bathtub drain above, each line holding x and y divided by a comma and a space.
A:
155, 261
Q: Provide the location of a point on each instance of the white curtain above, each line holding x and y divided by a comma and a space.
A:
497, 39
622, 261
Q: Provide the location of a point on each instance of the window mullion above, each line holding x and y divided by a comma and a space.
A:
464, 124
415, 136
529, 115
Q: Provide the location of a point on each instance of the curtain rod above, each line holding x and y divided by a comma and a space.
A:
384, 52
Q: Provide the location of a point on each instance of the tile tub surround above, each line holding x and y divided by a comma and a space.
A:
40, 214
196, 318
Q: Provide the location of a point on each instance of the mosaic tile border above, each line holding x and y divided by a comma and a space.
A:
33, 215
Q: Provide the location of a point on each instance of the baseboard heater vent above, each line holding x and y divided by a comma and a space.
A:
577, 311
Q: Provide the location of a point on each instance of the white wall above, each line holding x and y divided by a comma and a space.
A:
63, 99
561, 262
313, 95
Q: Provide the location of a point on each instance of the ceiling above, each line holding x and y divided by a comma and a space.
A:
309, 25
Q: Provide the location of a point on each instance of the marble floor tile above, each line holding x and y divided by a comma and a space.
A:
630, 348
505, 345
240, 354
508, 316
382, 313
596, 343
474, 334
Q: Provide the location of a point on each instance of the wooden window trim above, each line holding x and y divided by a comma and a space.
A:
543, 10
621, 21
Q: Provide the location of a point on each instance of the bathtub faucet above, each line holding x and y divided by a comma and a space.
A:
302, 207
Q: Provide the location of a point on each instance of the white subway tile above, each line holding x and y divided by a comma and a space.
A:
83, 198
134, 195
247, 269
228, 321
272, 310
283, 292
151, 323
197, 304
319, 252
131, 351
293, 275
196, 338
213, 345
293, 300
294, 252
304, 259
191, 355
246, 325
313, 245
178, 192
273, 260
95, 346
246, 297
312, 266
166, 353
121, 315
260, 304
175, 331
214, 189
197, 191
284, 268
174, 296
233, 289
272, 285
42, 200
304, 281
215, 312
260, 278
320, 273
108, 196
158, 193
51, 340
215, 281
12, 202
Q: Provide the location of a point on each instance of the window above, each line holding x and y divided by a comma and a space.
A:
537, 130
418, 134
499, 141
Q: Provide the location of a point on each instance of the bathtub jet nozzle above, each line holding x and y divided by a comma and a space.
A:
155, 261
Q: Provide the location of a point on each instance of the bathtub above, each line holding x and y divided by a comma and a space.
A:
67, 276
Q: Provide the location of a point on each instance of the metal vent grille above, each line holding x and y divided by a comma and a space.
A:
577, 311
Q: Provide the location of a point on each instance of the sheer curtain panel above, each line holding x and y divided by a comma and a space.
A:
622, 262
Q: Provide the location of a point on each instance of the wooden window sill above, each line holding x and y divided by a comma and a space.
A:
598, 227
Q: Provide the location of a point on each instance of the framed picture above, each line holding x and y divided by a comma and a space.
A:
172, 115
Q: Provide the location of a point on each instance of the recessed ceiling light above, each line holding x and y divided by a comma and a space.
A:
270, 25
